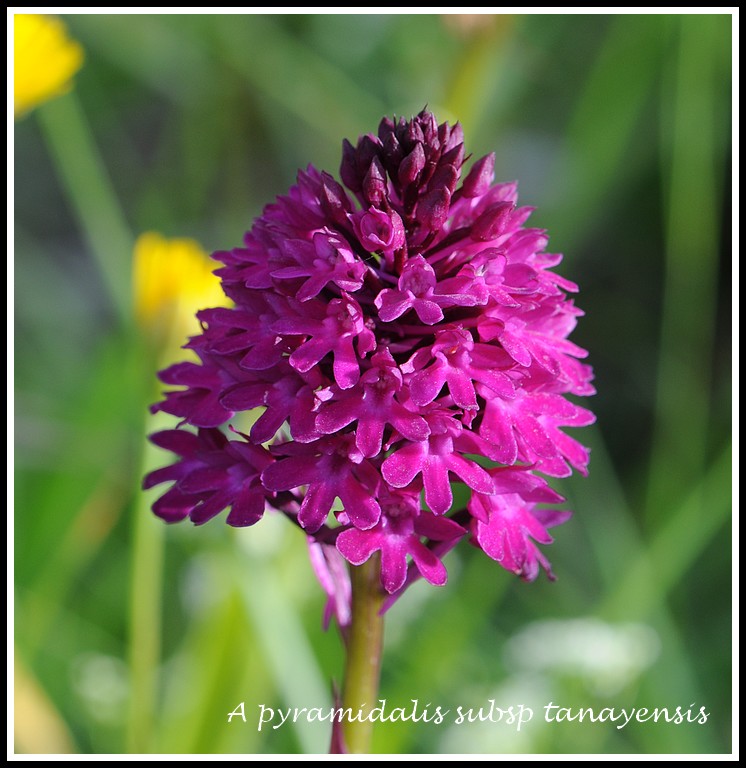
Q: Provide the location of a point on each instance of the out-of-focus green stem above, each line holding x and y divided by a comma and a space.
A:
146, 579
364, 651
146, 585
91, 195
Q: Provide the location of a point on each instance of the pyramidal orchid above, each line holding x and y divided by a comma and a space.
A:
398, 332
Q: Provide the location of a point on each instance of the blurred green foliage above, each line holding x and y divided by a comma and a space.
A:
131, 636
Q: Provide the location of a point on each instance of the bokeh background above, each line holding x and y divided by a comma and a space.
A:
132, 636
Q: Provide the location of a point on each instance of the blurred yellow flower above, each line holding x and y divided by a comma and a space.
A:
45, 59
172, 280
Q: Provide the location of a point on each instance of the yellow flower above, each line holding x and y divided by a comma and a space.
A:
45, 59
172, 280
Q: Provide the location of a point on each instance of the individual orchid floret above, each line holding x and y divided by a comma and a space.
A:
458, 362
213, 473
342, 325
332, 573
374, 405
330, 467
379, 231
328, 259
433, 458
506, 526
397, 536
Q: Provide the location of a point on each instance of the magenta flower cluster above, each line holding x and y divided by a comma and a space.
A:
397, 335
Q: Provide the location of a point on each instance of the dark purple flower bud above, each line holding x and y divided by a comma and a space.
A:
454, 157
386, 128
374, 183
334, 200
492, 222
411, 166
456, 138
412, 135
348, 170
392, 154
444, 133
432, 210
429, 128
368, 149
445, 176
479, 177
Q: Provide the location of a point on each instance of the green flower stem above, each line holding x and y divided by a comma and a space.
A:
91, 195
364, 651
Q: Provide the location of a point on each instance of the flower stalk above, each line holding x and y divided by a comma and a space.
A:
364, 652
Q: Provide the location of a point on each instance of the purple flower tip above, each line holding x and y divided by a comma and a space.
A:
390, 334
